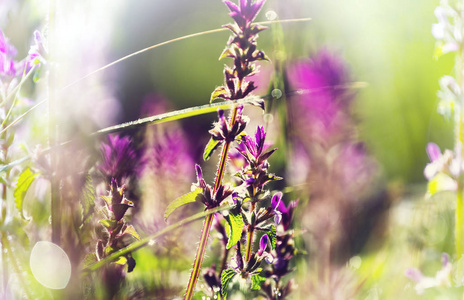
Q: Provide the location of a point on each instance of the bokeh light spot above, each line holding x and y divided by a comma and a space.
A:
50, 265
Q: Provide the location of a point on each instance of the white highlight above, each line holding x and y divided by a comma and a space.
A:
271, 15
50, 265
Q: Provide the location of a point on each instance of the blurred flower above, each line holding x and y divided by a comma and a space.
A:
38, 51
448, 30
440, 163
323, 97
119, 159
442, 277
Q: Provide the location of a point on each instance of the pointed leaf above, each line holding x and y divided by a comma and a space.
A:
256, 281
235, 228
22, 185
226, 278
107, 200
89, 259
226, 53
210, 147
187, 198
122, 260
131, 230
87, 200
219, 92
108, 223
272, 236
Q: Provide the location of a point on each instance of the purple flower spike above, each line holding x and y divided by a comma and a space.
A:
119, 159
246, 13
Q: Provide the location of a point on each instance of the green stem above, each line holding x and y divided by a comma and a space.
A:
199, 257
459, 141
249, 245
145, 241
459, 223
208, 221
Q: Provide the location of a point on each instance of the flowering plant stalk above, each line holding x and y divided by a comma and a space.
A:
242, 48
445, 171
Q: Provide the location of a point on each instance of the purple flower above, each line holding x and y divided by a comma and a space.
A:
9, 68
262, 254
223, 131
440, 163
245, 12
210, 199
442, 277
283, 214
119, 159
323, 102
254, 149
38, 51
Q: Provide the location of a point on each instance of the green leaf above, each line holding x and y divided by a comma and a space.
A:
219, 92
210, 147
22, 185
441, 182
226, 53
226, 278
256, 281
87, 199
108, 223
235, 227
90, 259
131, 230
187, 198
122, 260
272, 235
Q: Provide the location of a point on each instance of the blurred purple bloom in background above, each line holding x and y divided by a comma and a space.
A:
119, 159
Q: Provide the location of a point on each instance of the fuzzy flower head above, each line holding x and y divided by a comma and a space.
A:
323, 100
119, 159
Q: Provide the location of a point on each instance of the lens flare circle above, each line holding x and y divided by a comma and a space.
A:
50, 265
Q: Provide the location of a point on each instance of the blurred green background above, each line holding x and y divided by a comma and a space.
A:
387, 44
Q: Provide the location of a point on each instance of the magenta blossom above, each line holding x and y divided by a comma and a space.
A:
245, 12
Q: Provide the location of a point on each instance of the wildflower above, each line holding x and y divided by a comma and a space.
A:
224, 132
245, 12
283, 214
208, 197
442, 277
38, 51
440, 163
